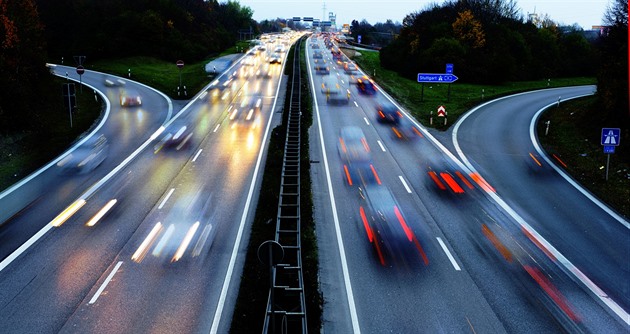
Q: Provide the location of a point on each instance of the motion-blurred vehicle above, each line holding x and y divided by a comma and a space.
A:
388, 113
334, 92
385, 223
178, 135
247, 113
264, 71
221, 90
366, 85
322, 69
356, 156
350, 68
130, 98
275, 58
318, 55
86, 157
113, 82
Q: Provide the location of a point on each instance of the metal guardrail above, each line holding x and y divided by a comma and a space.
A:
286, 305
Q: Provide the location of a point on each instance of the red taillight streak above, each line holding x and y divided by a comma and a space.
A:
421, 251
366, 225
381, 258
451, 183
551, 291
535, 160
397, 132
378, 179
436, 180
417, 132
345, 168
497, 243
538, 244
560, 161
463, 178
380, 113
365, 144
481, 182
343, 145
402, 222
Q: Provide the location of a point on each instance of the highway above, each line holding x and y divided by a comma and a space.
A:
473, 269
469, 230
165, 256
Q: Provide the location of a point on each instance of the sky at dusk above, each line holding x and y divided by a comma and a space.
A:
585, 13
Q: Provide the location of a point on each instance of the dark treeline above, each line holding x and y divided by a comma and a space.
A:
379, 34
164, 29
33, 32
488, 42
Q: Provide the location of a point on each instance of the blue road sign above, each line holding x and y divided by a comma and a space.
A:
609, 149
449, 68
436, 77
308, 19
359, 39
296, 19
611, 136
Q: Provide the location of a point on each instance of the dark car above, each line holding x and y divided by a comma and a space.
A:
366, 85
322, 69
86, 157
385, 224
388, 114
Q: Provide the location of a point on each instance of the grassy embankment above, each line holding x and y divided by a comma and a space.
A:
23, 153
582, 153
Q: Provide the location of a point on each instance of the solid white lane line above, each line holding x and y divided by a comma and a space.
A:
448, 253
197, 155
104, 285
366, 120
404, 183
381, 145
166, 198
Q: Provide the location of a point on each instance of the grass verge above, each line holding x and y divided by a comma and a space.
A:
25, 152
574, 136
462, 97
164, 76
254, 290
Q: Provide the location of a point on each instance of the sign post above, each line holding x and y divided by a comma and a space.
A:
180, 65
610, 139
80, 71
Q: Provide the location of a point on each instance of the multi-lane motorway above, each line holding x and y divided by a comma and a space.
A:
472, 230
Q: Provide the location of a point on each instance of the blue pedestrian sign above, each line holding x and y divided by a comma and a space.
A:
359, 39
611, 136
436, 77
609, 149
449, 68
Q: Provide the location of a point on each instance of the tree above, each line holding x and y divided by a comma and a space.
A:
612, 83
468, 30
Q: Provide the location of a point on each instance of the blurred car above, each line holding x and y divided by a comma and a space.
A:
334, 92
385, 223
264, 71
350, 68
130, 98
221, 89
86, 157
318, 55
366, 85
388, 114
356, 156
322, 69
247, 113
314, 45
113, 82
178, 135
275, 58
